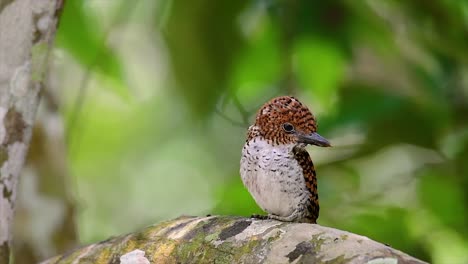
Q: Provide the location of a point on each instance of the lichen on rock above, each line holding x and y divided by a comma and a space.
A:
228, 239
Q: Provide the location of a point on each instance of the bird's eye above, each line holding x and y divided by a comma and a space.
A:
288, 127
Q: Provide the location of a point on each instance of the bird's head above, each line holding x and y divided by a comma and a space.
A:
285, 120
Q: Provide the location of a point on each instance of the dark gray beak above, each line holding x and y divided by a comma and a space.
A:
314, 139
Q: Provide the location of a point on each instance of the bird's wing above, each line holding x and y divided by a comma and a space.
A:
310, 177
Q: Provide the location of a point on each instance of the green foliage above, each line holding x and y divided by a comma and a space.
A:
258, 66
382, 225
202, 49
80, 34
320, 68
440, 194
386, 80
234, 199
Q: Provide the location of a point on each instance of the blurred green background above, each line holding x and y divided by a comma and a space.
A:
156, 97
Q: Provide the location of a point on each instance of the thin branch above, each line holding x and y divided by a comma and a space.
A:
125, 11
229, 119
77, 106
244, 113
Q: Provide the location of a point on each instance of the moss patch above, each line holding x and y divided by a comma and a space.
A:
317, 241
339, 260
38, 57
3, 155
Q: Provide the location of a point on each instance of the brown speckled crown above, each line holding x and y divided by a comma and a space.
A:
285, 109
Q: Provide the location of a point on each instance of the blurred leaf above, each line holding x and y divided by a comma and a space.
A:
234, 199
440, 194
369, 28
329, 20
258, 67
361, 104
80, 35
409, 124
444, 21
107, 144
320, 68
202, 39
388, 226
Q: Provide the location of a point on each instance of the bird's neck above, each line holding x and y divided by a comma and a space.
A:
259, 145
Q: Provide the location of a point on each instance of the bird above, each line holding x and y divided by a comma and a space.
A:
276, 168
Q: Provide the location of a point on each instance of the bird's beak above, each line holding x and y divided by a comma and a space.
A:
314, 139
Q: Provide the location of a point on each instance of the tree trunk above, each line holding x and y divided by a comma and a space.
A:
228, 239
27, 28
44, 195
